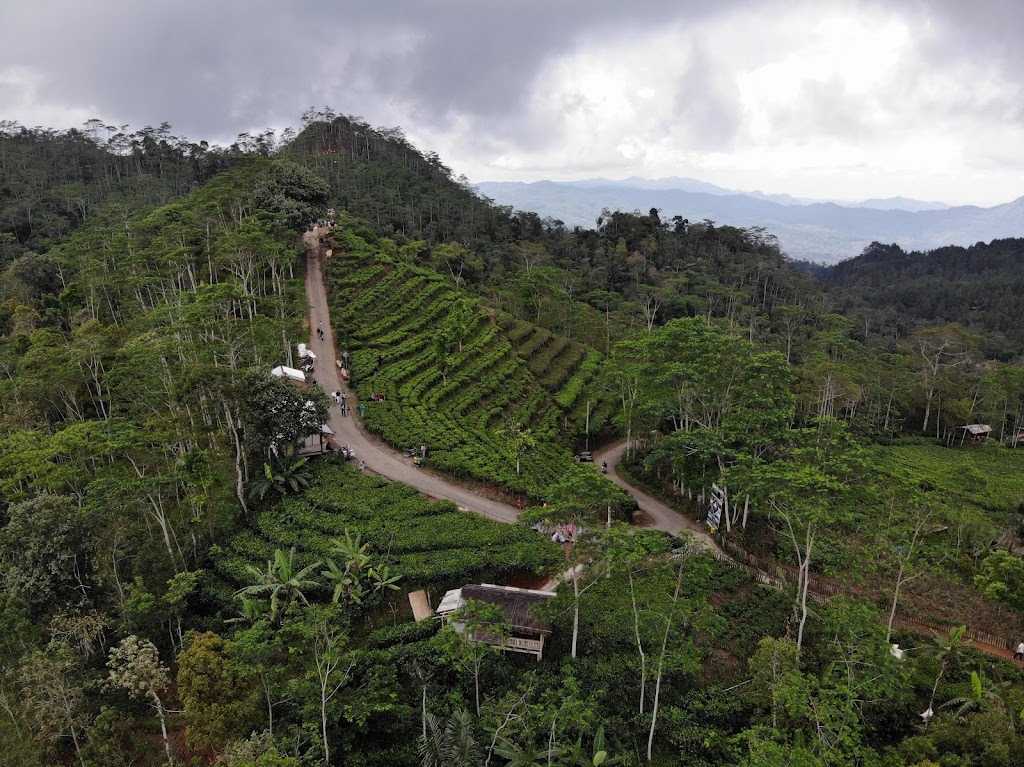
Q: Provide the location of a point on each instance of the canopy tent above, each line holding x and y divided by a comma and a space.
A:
282, 371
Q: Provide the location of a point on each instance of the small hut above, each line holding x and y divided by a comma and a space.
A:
527, 632
975, 433
315, 444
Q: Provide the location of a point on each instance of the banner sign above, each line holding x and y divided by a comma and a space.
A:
715, 507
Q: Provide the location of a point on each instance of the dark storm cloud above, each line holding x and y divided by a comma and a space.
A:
215, 68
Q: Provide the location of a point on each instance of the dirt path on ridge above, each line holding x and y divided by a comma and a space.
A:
348, 429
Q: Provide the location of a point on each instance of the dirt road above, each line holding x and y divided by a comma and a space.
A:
380, 460
394, 466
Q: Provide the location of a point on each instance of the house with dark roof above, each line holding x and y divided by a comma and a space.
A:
527, 630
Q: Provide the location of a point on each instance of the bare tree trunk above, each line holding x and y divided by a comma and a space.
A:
575, 609
270, 702
805, 570
476, 683
78, 747
927, 410
639, 645
895, 600
904, 560
661, 664
239, 478
424, 711
158, 704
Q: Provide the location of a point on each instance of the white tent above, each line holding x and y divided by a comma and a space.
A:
285, 372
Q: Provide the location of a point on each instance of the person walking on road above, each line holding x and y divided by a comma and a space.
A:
1019, 654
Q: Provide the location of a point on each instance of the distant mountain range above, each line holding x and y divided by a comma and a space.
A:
813, 230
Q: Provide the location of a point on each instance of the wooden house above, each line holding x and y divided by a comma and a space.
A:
975, 433
527, 631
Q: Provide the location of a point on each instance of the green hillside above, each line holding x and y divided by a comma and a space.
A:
456, 378
980, 287
156, 523
430, 543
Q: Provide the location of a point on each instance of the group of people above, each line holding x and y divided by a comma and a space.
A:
564, 534
340, 398
379, 397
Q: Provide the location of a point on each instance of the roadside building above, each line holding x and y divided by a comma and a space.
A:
527, 630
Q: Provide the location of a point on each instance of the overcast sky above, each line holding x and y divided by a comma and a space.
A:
843, 99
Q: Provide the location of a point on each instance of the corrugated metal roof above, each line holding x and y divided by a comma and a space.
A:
977, 428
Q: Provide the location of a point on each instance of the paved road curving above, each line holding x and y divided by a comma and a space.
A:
665, 517
381, 460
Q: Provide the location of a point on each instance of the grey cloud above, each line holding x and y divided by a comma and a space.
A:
977, 32
826, 107
213, 68
707, 105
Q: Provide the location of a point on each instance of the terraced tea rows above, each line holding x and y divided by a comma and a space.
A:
428, 543
567, 370
389, 316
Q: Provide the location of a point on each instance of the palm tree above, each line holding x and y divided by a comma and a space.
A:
530, 755
282, 582
575, 756
980, 698
289, 476
948, 653
450, 743
357, 576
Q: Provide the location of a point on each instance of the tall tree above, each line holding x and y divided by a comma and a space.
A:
135, 666
937, 351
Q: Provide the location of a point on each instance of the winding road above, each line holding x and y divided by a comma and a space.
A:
392, 465
665, 517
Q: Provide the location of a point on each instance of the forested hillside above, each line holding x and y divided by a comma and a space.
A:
52, 181
980, 287
180, 587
